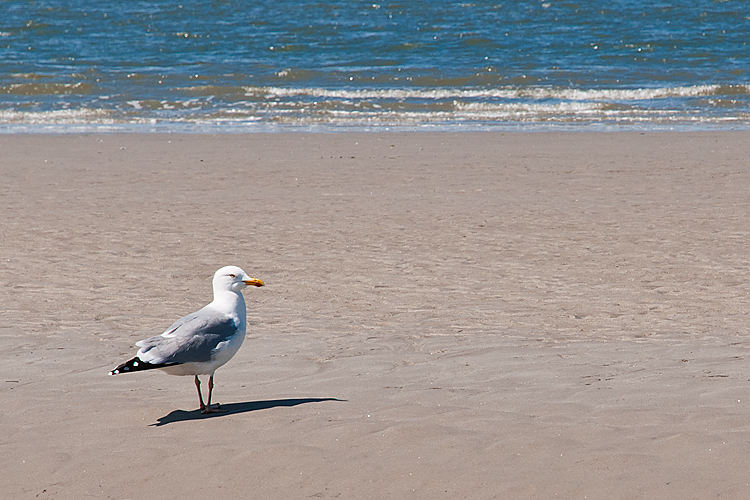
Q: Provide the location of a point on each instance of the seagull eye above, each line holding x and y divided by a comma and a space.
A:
232, 276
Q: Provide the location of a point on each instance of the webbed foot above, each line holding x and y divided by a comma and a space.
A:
214, 408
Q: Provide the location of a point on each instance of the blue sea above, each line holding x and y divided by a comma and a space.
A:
260, 66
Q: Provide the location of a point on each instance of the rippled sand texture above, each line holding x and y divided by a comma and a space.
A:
445, 316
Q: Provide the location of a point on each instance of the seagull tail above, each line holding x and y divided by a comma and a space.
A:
136, 365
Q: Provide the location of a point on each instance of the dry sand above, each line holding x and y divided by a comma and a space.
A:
467, 316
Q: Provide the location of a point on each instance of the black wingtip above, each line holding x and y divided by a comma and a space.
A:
136, 365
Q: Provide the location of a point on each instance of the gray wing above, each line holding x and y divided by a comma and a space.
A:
191, 339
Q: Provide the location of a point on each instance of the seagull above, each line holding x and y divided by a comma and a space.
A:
201, 342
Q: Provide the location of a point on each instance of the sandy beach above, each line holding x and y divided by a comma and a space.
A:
459, 316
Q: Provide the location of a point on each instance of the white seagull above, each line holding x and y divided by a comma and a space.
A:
201, 342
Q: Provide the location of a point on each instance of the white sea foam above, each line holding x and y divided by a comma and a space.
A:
303, 107
60, 117
490, 93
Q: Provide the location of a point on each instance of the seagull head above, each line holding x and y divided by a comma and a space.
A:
233, 278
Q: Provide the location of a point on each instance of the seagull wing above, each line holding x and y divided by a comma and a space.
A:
191, 339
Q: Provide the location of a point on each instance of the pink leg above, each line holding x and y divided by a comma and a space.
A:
215, 408
200, 396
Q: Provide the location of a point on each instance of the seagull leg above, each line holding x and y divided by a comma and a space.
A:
215, 408
200, 396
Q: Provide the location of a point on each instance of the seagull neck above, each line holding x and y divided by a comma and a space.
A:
230, 301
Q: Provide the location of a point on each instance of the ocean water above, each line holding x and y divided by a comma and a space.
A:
232, 66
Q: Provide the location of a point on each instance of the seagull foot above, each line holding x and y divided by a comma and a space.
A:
214, 408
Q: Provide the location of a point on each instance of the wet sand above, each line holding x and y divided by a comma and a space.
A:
539, 315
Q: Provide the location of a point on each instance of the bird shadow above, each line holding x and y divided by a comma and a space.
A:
234, 409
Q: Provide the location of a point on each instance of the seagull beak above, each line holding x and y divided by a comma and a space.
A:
254, 282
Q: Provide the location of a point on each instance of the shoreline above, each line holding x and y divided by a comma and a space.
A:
269, 128
446, 315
